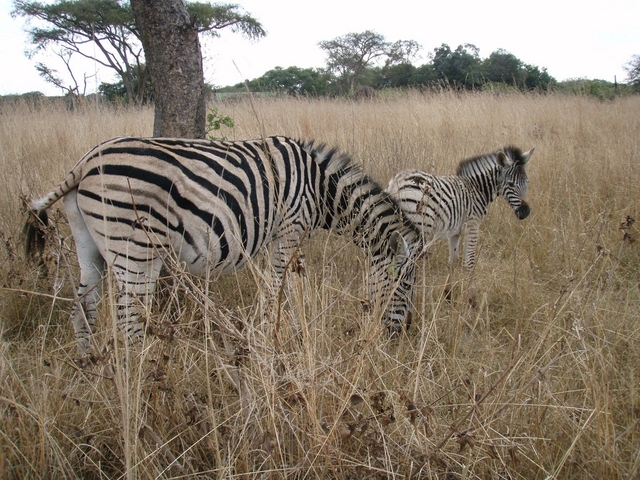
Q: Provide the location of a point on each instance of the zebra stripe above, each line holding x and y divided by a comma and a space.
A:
449, 206
133, 201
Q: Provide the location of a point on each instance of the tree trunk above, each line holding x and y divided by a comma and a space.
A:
174, 60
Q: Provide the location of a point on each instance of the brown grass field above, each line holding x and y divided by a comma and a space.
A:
539, 380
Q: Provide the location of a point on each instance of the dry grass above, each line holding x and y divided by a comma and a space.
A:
540, 380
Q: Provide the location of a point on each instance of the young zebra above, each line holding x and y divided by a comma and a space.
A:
453, 205
130, 201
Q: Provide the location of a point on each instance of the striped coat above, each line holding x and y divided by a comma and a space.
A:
131, 202
453, 206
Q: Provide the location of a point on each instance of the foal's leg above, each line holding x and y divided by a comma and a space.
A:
454, 255
470, 243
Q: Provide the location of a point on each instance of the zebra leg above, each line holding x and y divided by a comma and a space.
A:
454, 252
136, 283
454, 255
470, 244
283, 250
83, 313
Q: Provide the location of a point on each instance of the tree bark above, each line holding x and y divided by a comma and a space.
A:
174, 60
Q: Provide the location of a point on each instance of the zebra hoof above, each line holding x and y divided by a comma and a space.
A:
395, 329
473, 303
448, 293
84, 361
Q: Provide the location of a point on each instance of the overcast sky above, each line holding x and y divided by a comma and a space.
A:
572, 39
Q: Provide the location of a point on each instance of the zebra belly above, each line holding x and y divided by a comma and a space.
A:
207, 257
141, 232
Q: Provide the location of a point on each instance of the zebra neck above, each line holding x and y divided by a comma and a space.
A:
354, 205
483, 183
367, 217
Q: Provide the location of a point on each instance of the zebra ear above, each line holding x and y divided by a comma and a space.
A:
503, 159
399, 248
526, 156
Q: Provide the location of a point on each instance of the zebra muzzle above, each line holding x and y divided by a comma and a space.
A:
523, 211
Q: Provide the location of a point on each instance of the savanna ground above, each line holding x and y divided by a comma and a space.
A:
541, 379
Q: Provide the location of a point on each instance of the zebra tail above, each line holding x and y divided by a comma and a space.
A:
34, 233
35, 228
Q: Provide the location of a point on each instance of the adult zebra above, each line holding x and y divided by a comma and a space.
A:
449, 206
129, 201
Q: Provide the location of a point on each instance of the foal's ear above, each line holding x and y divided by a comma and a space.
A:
526, 156
503, 159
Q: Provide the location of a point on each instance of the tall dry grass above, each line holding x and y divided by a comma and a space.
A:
540, 380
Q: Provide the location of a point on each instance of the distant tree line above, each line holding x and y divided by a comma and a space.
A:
462, 68
352, 67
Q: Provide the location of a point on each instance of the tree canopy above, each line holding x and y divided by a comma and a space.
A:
458, 68
502, 66
292, 81
105, 32
350, 55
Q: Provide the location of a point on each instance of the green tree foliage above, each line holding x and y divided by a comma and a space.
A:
397, 76
504, 67
116, 92
600, 89
459, 68
211, 18
402, 75
424, 75
349, 56
215, 122
104, 31
632, 67
356, 60
292, 81
71, 26
537, 79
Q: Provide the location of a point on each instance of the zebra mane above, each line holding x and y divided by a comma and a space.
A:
470, 166
334, 160
491, 160
514, 153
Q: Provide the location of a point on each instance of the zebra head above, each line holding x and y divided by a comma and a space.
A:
395, 272
514, 180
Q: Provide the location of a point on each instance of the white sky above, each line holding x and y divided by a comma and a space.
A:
571, 38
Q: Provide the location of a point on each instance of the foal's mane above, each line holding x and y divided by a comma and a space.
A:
490, 159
